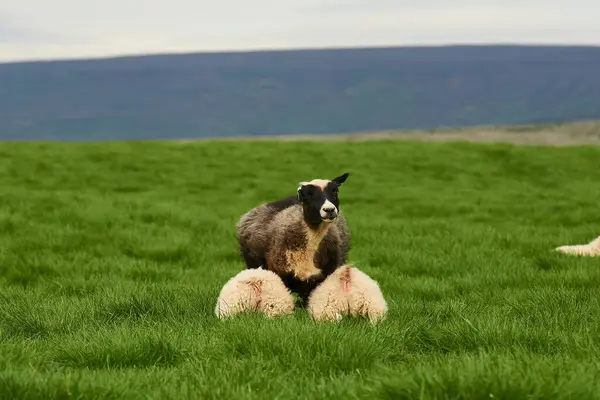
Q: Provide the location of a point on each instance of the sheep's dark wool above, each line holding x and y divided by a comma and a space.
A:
301, 238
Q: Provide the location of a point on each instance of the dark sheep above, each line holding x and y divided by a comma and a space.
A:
302, 238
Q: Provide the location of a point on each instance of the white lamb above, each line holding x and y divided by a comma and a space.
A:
591, 249
347, 291
257, 290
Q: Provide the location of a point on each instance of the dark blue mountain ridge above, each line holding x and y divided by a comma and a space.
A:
297, 92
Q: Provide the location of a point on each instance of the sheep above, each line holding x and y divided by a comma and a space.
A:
301, 238
591, 249
347, 291
254, 290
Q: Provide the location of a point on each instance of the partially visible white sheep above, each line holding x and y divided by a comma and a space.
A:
591, 249
347, 291
257, 290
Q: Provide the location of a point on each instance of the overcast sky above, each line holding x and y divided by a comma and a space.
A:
49, 29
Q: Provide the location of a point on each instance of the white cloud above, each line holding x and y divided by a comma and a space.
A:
32, 29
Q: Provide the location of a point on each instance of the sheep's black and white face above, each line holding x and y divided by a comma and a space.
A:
319, 199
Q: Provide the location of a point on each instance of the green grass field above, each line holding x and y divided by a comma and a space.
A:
113, 255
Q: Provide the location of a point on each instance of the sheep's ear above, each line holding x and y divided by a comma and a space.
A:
300, 187
341, 179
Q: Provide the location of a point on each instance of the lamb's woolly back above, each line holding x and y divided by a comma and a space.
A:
591, 249
347, 291
254, 290
253, 234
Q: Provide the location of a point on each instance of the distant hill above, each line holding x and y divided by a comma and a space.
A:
291, 92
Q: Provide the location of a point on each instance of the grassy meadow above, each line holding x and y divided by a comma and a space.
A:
112, 257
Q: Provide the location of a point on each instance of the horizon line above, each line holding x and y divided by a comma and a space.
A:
276, 49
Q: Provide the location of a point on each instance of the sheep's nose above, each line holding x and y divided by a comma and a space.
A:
329, 209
